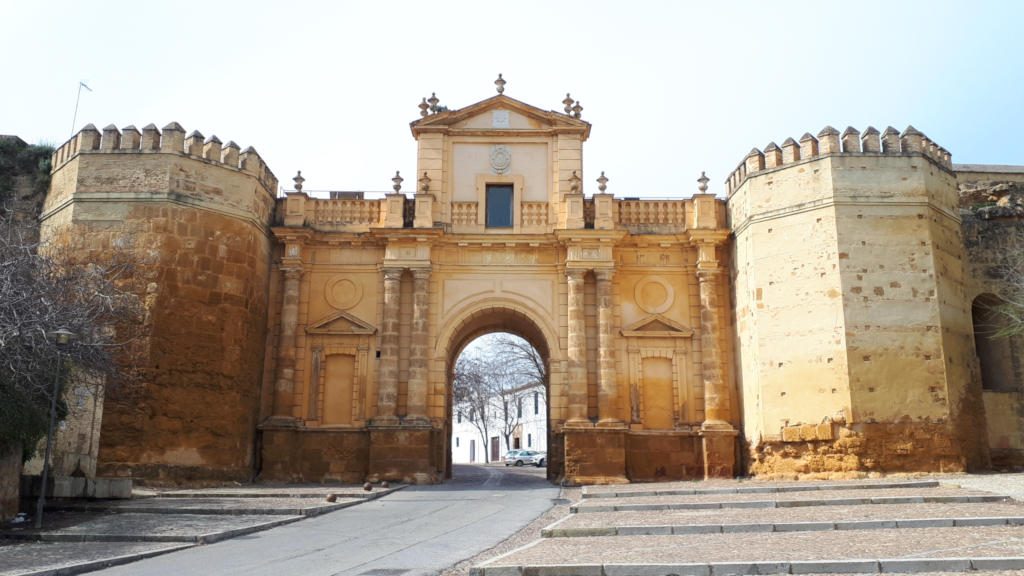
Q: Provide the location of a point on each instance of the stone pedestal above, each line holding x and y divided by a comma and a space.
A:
719, 452
402, 454
595, 455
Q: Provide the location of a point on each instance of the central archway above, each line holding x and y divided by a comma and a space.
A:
512, 318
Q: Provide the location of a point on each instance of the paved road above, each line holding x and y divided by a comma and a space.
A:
419, 530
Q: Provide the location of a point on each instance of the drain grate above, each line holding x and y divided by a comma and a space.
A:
385, 572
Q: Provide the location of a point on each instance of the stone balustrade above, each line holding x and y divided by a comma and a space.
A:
638, 216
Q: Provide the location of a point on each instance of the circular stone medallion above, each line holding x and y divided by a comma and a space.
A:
343, 293
654, 295
501, 158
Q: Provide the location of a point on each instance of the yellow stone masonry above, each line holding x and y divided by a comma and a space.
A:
817, 321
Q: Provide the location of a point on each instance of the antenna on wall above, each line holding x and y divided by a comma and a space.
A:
74, 119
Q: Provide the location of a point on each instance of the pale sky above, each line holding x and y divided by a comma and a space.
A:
671, 88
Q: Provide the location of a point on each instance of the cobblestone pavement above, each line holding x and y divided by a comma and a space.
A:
975, 534
87, 535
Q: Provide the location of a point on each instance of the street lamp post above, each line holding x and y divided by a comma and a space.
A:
61, 337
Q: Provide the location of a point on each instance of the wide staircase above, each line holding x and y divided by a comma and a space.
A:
855, 527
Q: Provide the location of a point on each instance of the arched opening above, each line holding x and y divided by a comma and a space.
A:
995, 350
479, 329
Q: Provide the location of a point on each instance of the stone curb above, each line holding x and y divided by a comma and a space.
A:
347, 493
576, 508
308, 512
208, 538
853, 566
104, 563
553, 532
761, 489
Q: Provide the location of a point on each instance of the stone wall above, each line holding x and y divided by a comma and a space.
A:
854, 336
196, 223
315, 456
10, 480
992, 208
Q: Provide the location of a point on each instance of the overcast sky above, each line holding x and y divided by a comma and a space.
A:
671, 88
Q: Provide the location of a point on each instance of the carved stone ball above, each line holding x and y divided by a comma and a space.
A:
367, 486
385, 484
332, 497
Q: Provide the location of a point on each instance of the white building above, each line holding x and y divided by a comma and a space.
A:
531, 433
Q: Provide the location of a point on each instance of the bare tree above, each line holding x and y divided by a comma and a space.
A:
46, 288
472, 394
492, 382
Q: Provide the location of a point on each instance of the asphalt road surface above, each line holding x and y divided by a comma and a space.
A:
416, 531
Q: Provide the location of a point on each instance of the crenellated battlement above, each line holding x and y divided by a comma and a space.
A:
831, 142
170, 140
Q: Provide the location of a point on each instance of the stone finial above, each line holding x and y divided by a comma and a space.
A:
568, 103
891, 141
397, 181
577, 110
298, 181
808, 146
702, 182
250, 161
425, 183
754, 161
423, 106
194, 143
602, 182
212, 148
433, 102
88, 138
828, 140
173, 138
851, 140
911, 140
111, 139
500, 84
150, 137
229, 154
574, 183
869, 140
790, 151
772, 155
130, 137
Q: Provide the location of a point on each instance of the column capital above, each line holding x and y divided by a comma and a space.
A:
421, 273
708, 274
292, 272
575, 274
392, 272
604, 274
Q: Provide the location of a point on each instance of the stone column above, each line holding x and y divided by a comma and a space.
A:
718, 435
577, 369
284, 385
607, 389
716, 394
387, 379
418, 347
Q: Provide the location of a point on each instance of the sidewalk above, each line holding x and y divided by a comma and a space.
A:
84, 535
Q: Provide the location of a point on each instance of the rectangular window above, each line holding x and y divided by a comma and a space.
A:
499, 206
519, 407
456, 441
536, 403
459, 415
529, 440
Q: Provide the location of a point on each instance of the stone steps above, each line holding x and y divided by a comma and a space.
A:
882, 500
795, 529
604, 492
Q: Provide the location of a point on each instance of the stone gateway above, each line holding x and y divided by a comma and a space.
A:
820, 319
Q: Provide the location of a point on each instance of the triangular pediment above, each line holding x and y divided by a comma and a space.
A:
657, 326
463, 117
341, 323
